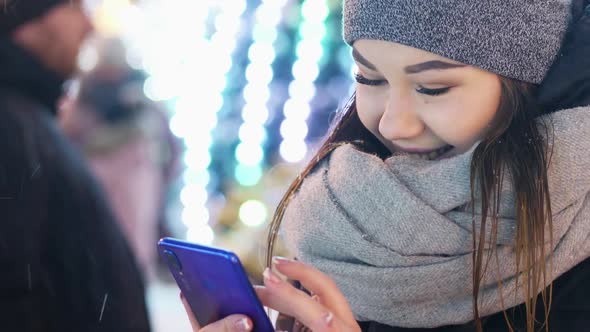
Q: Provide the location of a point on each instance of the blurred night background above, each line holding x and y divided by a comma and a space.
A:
246, 90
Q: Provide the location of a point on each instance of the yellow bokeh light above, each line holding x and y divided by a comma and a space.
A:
110, 16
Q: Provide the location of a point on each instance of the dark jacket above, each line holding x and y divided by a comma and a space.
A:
64, 264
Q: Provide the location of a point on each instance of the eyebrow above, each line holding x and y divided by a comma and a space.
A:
431, 65
413, 69
361, 59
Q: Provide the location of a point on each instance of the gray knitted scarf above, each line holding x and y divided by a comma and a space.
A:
397, 239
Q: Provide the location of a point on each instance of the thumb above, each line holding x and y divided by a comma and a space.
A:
194, 324
233, 323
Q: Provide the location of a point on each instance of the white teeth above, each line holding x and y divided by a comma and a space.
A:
434, 154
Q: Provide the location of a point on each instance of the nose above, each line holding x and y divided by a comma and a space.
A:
400, 119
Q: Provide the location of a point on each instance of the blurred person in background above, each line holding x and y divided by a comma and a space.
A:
130, 148
66, 265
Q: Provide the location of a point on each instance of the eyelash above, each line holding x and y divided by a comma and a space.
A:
429, 92
363, 80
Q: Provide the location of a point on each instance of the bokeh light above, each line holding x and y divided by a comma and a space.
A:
253, 213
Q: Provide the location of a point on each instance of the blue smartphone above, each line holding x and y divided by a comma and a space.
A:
213, 283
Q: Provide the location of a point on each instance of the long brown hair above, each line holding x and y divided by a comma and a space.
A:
517, 146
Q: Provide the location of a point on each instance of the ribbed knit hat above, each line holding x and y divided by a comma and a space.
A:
13, 13
515, 38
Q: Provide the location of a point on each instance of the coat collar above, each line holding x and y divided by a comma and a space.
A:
22, 73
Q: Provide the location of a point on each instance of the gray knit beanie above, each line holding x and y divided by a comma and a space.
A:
515, 38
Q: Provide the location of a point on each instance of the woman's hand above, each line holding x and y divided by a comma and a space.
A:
327, 310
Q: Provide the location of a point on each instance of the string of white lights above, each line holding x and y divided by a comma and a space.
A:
259, 74
187, 66
305, 70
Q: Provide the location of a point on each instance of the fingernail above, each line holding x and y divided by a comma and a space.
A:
243, 324
315, 298
270, 276
277, 260
328, 318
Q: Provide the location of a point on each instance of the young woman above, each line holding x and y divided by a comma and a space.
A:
453, 193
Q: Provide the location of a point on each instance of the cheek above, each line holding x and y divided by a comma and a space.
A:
71, 34
369, 109
463, 124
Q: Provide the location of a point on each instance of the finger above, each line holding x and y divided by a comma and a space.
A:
285, 298
233, 323
189, 312
318, 284
297, 306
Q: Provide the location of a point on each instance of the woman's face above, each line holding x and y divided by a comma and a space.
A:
421, 103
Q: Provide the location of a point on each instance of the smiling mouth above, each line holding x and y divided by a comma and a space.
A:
432, 155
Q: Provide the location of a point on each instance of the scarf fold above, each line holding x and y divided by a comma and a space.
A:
397, 239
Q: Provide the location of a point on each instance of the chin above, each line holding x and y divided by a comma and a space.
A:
69, 61
457, 151
69, 69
